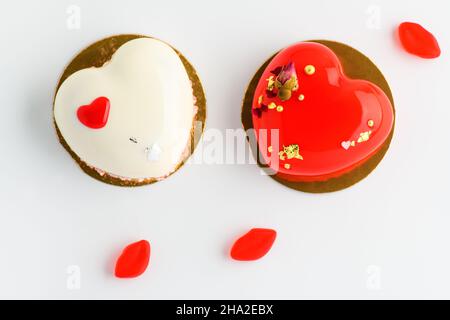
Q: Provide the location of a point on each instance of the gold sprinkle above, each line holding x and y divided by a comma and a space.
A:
280, 109
301, 97
370, 123
310, 70
270, 149
260, 99
272, 105
353, 143
287, 166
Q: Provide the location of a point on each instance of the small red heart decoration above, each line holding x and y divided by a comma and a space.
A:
253, 245
327, 123
418, 41
94, 115
134, 260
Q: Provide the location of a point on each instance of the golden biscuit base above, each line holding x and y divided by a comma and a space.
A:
96, 55
356, 66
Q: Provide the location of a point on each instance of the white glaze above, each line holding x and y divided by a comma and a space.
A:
151, 101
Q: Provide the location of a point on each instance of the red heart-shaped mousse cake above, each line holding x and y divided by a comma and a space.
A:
314, 123
94, 115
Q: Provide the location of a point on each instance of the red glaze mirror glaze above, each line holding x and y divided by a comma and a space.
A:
253, 245
328, 123
95, 115
134, 260
418, 41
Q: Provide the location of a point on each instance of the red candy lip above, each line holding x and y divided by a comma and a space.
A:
94, 115
418, 41
134, 260
253, 245
329, 125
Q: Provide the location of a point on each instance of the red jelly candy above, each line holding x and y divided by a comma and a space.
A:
418, 41
253, 245
134, 260
94, 115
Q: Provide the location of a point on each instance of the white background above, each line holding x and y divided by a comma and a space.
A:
386, 237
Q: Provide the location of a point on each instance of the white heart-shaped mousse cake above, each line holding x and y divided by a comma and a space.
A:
131, 120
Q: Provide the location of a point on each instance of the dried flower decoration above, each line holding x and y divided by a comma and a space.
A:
271, 94
259, 110
276, 71
286, 81
284, 84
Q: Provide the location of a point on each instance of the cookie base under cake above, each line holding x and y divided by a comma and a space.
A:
96, 55
356, 66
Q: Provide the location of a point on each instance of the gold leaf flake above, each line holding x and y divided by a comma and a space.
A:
260, 99
287, 166
280, 109
364, 136
291, 152
270, 149
370, 123
272, 105
301, 97
270, 83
